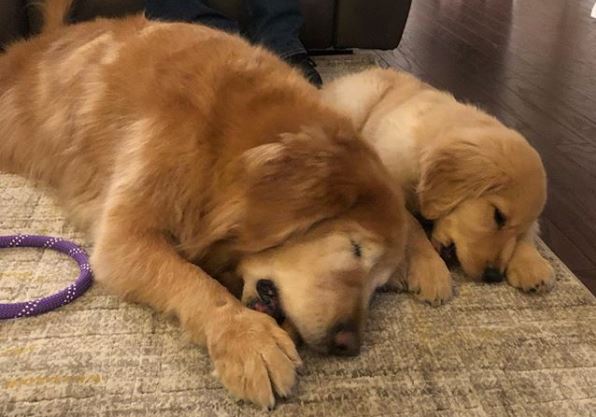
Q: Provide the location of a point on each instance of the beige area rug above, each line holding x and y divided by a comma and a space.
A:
493, 351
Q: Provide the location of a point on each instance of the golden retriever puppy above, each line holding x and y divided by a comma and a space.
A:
188, 154
480, 183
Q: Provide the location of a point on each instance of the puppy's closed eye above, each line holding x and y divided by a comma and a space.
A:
500, 218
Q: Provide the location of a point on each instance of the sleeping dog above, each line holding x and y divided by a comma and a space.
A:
193, 159
480, 184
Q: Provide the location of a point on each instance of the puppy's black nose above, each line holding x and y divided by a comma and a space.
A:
492, 275
344, 340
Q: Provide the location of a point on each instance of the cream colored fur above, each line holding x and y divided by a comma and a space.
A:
456, 165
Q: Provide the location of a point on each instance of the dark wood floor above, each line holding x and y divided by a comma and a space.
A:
532, 63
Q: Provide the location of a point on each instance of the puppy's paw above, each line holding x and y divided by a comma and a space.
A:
430, 281
253, 357
530, 272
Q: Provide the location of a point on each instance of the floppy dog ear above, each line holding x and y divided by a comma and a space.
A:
292, 184
454, 172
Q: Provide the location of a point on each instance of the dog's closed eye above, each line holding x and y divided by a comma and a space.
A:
356, 249
500, 218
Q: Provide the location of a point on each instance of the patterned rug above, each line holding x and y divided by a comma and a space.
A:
492, 351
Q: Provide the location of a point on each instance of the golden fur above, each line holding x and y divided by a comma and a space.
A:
187, 155
457, 165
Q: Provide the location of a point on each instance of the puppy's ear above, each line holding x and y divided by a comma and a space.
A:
292, 184
456, 171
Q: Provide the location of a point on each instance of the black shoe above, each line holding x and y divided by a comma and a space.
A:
307, 67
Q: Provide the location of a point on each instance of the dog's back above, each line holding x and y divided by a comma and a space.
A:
78, 101
399, 115
51, 90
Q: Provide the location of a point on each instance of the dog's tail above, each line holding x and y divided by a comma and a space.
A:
54, 13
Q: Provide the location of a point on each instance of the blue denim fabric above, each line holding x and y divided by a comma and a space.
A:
274, 24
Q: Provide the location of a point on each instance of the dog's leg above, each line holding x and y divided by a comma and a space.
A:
527, 269
426, 275
253, 357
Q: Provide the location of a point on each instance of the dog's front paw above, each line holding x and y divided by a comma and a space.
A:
529, 271
253, 357
430, 280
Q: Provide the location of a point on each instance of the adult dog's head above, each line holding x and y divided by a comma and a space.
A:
323, 227
484, 187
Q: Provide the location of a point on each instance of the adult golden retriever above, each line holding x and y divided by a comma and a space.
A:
189, 155
481, 183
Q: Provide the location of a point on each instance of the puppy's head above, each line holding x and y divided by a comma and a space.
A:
324, 227
484, 188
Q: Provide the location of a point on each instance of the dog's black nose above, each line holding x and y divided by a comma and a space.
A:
344, 340
492, 275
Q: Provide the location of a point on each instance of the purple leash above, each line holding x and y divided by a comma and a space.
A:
43, 305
